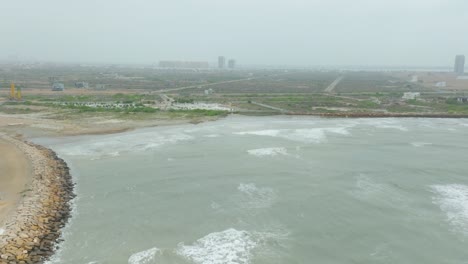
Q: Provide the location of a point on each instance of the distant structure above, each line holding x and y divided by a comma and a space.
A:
81, 85
459, 64
58, 87
231, 64
410, 96
209, 91
441, 84
414, 79
462, 99
184, 64
15, 92
221, 62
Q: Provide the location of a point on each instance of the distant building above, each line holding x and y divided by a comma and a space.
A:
441, 84
58, 87
221, 62
414, 79
184, 64
459, 64
410, 96
81, 85
209, 91
232, 64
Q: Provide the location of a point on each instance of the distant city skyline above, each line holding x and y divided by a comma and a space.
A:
282, 32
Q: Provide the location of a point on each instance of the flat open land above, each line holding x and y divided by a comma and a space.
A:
119, 98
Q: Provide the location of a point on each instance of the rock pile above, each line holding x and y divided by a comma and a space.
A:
32, 232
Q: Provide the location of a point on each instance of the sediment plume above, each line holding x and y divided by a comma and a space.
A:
33, 231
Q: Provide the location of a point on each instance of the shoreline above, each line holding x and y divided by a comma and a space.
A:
32, 232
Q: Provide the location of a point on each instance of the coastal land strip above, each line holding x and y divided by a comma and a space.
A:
31, 232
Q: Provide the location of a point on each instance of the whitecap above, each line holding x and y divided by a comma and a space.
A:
453, 201
307, 135
144, 257
255, 197
420, 144
212, 136
227, 247
262, 152
113, 146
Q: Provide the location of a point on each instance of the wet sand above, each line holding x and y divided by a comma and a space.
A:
15, 174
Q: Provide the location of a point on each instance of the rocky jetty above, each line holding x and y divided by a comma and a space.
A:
32, 232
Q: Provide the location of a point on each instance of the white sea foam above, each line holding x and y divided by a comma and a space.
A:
227, 247
308, 135
384, 123
262, 152
453, 201
144, 257
256, 197
212, 135
112, 146
2, 231
420, 144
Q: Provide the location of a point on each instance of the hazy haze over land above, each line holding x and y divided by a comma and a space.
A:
279, 32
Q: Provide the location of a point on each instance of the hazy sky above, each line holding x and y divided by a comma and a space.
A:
278, 32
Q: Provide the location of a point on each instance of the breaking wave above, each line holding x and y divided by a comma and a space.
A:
262, 152
112, 146
308, 135
453, 201
230, 246
420, 144
226, 247
144, 257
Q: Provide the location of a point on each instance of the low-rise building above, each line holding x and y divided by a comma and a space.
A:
410, 96
58, 87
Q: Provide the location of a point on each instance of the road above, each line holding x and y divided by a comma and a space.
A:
332, 86
271, 107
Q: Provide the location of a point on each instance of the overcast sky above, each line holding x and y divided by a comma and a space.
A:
275, 32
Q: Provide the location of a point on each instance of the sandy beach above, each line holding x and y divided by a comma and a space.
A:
15, 174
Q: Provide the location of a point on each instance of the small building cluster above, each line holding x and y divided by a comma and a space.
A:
410, 96
58, 87
81, 85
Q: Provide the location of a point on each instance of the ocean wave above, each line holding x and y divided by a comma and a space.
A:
453, 201
307, 135
113, 146
420, 144
387, 123
370, 190
232, 246
256, 197
262, 152
144, 257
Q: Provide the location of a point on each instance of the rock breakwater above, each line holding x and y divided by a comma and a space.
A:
33, 231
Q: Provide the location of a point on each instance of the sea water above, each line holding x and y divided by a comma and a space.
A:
270, 190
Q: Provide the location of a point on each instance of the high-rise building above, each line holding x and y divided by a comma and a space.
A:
460, 64
221, 62
231, 64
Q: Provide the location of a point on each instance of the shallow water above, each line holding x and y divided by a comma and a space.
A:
271, 190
